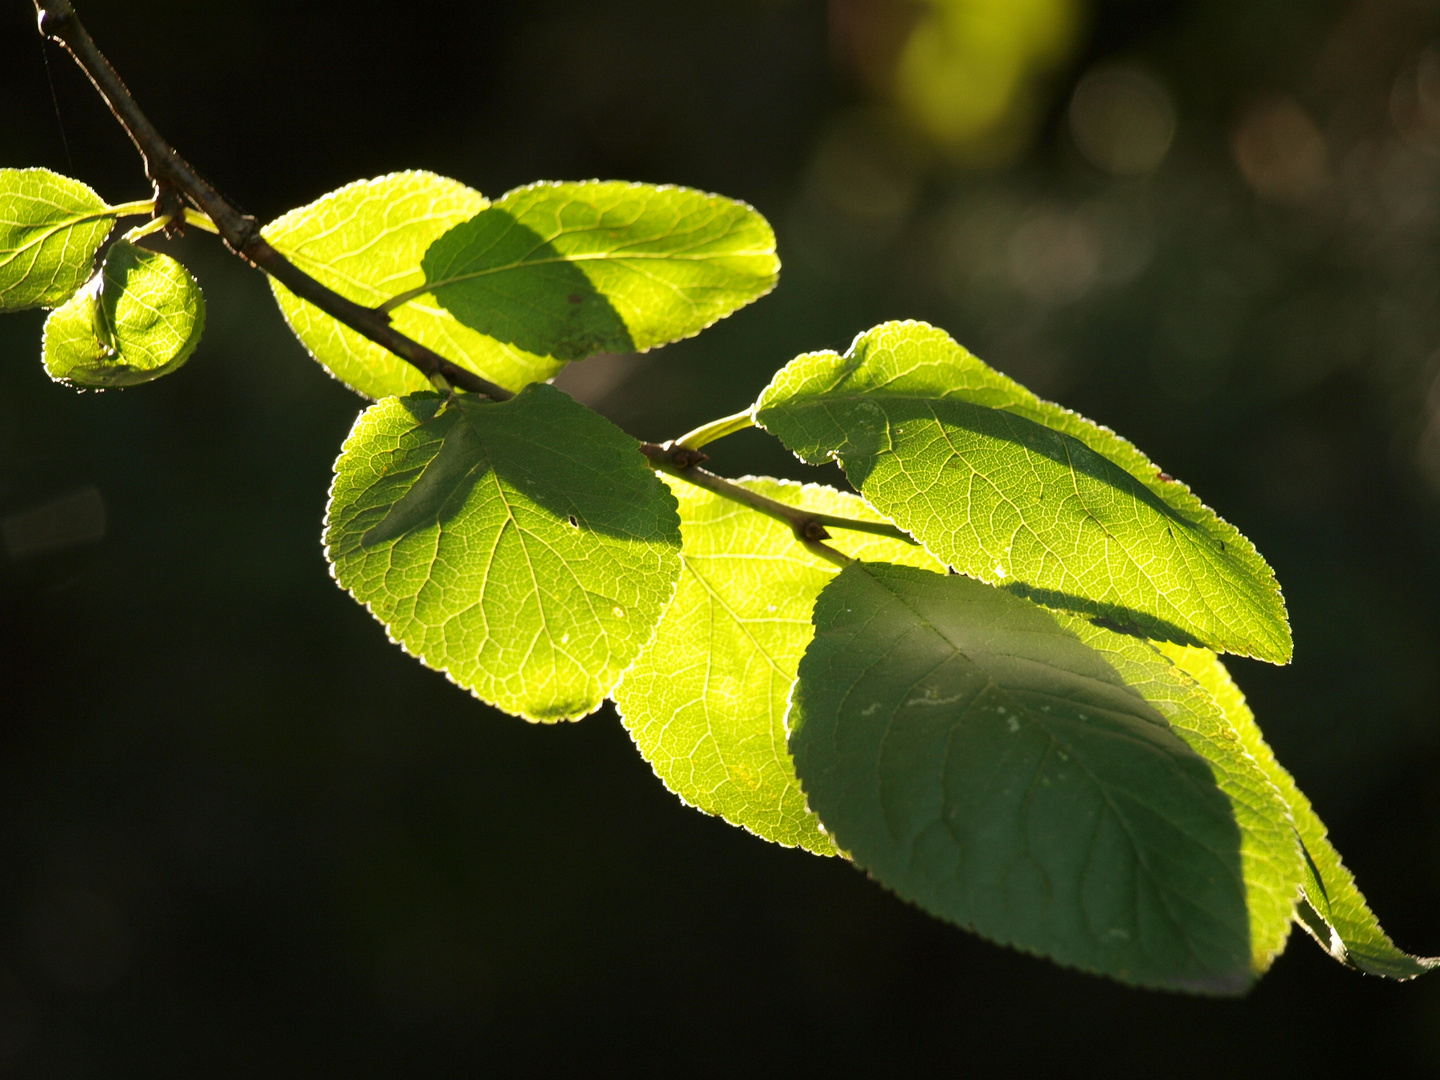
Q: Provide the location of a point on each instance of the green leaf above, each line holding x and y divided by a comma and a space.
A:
705, 702
549, 274
366, 241
1044, 781
1018, 492
50, 228
522, 547
1334, 912
558, 271
138, 319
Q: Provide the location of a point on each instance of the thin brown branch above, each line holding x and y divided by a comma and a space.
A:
176, 180
809, 527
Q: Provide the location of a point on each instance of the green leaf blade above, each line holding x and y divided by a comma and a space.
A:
50, 228
366, 241
523, 548
1036, 778
1022, 493
516, 290
564, 270
705, 702
1335, 912
140, 318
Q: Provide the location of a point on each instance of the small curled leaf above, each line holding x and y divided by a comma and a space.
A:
139, 318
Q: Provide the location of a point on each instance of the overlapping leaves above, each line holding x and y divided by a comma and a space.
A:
1045, 781
515, 290
1054, 761
522, 547
705, 702
1021, 493
1334, 911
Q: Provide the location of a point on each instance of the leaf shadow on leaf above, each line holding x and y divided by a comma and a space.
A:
501, 278
535, 466
1033, 796
1019, 431
1116, 617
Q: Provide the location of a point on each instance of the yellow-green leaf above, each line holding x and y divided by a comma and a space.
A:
1335, 912
50, 228
705, 702
1019, 492
140, 318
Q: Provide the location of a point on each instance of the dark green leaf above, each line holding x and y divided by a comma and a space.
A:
1051, 784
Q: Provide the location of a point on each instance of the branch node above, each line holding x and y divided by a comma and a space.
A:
812, 530
684, 457
53, 15
169, 203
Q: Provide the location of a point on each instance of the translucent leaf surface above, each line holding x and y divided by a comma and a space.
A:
139, 318
1022, 493
524, 547
1335, 912
557, 272
514, 291
366, 241
50, 228
1051, 784
705, 702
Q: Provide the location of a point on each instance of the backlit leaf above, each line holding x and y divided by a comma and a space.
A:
50, 228
1022, 493
1335, 912
555, 272
706, 700
514, 291
366, 241
140, 318
523, 547
1044, 781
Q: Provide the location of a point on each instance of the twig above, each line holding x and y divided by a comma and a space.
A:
809, 527
176, 181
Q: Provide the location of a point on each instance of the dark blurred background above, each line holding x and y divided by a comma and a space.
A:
242, 835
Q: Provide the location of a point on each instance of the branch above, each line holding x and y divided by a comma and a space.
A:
177, 182
809, 527
174, 177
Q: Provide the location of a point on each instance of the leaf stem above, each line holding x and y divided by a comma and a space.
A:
715, 430
154, 225
131, 209
809, 527
177, 182
200, 221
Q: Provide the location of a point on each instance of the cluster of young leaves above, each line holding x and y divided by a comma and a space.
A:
995, 688
135, 317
